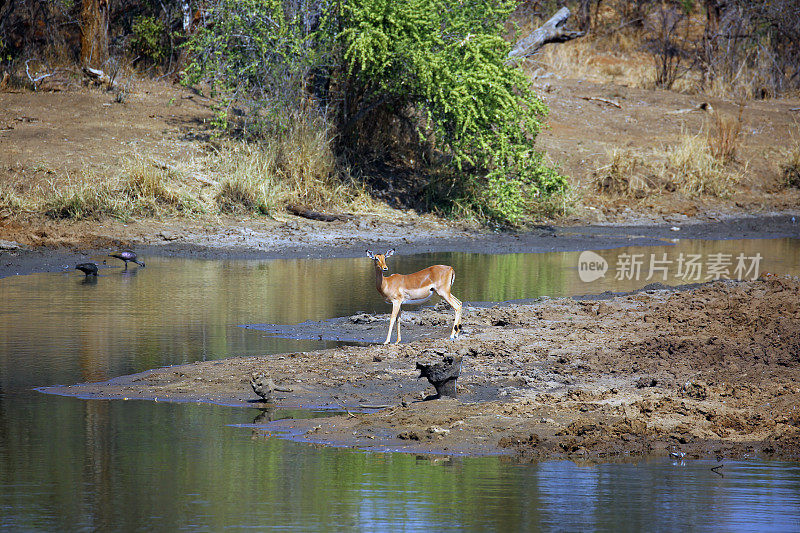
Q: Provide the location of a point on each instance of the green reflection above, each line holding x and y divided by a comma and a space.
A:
120, 466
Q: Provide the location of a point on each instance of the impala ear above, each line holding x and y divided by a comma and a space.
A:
370, 254
389, 253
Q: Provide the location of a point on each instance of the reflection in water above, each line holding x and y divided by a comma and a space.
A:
67, 464
195, 471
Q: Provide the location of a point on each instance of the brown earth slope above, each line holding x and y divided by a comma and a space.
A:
76, 134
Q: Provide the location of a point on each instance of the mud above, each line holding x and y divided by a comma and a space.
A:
66, 244
704, 371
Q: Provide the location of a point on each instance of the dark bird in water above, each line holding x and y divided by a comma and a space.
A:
127, 256
90, 269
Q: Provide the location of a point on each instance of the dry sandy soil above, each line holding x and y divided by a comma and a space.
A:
711, 370
69, 132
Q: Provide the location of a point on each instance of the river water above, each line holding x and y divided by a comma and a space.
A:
69, 464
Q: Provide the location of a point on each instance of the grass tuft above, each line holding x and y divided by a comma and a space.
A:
790, 168
696, 171
297, 167
141, 189
83, 201
619, 177
723, 136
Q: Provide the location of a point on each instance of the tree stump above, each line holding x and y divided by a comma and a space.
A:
442, 375
264, 386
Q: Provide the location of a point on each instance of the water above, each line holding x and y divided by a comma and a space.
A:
68, 464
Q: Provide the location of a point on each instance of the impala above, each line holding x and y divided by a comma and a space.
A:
399, 289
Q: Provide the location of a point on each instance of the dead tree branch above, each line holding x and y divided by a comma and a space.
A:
552, 31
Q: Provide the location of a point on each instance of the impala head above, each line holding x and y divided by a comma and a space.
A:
380, 260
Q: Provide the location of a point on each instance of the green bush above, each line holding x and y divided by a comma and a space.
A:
148, 36
362, 60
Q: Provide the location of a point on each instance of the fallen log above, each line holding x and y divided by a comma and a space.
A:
316, 215
100, 77
552, 31
603, 100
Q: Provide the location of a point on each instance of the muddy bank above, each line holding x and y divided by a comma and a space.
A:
66, 245
708, 371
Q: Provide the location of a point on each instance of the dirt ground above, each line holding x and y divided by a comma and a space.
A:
705, 371
68, 133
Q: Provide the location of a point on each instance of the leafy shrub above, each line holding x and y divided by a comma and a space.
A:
147, 40
357, 61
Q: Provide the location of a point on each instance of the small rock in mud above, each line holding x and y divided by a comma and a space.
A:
408, 435
645, 382
442, 375
363, 318
262, 385
437, 432
694, 389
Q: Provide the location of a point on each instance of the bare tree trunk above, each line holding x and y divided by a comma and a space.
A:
714, 9
551, 31
187, 16
94, 32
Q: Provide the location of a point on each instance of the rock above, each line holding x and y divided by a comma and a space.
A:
264, 386
442, 375
169, 236
645, 382
694, 389
9, 245
437, 432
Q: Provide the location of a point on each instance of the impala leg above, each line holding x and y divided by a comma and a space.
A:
455, 303
395, 312
399, 312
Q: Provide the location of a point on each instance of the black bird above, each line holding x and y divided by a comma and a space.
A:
126, 256
90, 269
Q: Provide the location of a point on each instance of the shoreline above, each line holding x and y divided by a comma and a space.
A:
320, 240
648, 373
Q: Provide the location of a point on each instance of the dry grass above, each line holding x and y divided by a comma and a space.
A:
257, 179
249, 183
140, 189
597, 61
83, 200
696, 171
261, 179
10, 202
688, 167
622, 175
723, 135
297, 168
790, 168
